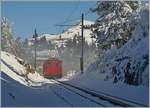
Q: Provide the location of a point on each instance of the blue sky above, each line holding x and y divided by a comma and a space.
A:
25, 16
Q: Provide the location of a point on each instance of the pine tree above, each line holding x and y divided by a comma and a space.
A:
113, 25
135, 5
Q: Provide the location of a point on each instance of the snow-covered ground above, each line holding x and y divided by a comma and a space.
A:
15, 94
95, 82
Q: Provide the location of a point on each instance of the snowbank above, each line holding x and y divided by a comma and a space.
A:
94, 82
11, 60
10, 66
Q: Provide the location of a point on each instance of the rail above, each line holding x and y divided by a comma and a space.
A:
103, 96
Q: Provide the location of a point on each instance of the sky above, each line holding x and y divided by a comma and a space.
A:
26, 16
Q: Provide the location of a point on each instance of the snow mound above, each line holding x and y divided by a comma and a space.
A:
11, 66
11, 60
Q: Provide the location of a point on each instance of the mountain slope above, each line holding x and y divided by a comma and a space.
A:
68, 34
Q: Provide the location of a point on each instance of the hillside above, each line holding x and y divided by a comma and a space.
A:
15, 68
67, 34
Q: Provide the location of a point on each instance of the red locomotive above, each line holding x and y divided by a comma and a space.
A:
52, 68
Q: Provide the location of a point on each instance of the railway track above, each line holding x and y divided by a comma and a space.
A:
97, 97
89, 100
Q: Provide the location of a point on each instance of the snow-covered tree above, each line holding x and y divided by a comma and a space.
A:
113, 23
8, 42
129, 63
19, 47
135, 5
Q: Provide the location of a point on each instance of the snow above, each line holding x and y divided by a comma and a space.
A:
46, 54
96, 83
77, 30
15, 94
69, 75
134, 51
11, 60
11, 67
12, 74
68, 34
49, 36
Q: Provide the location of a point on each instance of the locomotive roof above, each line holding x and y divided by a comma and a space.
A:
50, 59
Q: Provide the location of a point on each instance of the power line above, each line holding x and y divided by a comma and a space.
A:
61, 25
89, 11
78, 19
71, 20
66, 25
71, 13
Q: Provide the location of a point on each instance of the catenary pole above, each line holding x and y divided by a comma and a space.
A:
35, 41
82, 45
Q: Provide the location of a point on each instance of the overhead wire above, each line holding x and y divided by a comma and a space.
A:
71, 14
68, 18
76, 20
86, 13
